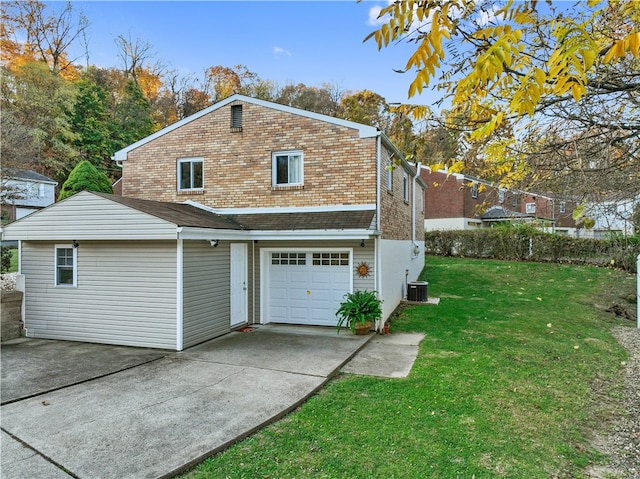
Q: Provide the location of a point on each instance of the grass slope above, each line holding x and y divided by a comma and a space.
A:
516, 369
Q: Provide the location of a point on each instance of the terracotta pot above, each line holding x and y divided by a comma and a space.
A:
362, 329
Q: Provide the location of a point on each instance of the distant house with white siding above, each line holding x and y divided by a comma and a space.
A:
247, 212
24, 192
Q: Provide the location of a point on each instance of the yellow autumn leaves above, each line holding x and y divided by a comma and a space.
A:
507, 58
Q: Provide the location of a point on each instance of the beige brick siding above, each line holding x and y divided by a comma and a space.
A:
339, 167
395, 213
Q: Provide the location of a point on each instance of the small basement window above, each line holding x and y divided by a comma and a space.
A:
236, 117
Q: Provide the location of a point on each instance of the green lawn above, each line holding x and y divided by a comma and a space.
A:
517, 370
14, 261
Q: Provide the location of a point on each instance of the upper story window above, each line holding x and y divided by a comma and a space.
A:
389, 175
288, 168
190, 174
563, 207
66, 266
501, 196
474, 190
236, 117
405, 187
530, 208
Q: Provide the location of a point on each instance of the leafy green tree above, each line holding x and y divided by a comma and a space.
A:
132, 117
90, 122
83, 177
40, 103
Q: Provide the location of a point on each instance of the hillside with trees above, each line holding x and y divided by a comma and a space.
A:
540, 96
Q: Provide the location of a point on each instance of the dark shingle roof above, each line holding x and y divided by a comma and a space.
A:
498, 213
329, 220
29, 175
191, 216
178, 213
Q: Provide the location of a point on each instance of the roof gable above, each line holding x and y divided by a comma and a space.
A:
364, 131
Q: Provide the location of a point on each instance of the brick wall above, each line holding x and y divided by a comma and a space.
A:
339, 167
395, 212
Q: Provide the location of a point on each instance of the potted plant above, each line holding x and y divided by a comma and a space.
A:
358, 311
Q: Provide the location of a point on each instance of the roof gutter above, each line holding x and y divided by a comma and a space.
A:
192, 233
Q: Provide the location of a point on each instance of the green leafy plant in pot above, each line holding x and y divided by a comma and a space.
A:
358, 311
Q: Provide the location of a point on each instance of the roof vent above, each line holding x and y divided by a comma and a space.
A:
236, 117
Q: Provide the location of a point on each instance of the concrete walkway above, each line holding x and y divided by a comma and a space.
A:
77, 410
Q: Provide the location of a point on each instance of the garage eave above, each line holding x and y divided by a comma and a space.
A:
187, 233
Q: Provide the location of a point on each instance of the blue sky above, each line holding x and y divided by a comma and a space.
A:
308, 42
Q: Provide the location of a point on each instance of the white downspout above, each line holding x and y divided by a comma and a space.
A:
376, 242
413, 201
253, 282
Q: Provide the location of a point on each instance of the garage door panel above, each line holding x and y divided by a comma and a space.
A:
308, 289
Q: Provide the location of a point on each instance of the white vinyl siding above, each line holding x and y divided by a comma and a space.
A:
206, 291
126, 294
87, 216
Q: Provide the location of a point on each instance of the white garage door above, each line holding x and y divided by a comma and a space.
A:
307, 287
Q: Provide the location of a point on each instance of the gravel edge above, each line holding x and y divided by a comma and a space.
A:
622, 440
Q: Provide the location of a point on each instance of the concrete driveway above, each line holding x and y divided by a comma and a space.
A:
93, 411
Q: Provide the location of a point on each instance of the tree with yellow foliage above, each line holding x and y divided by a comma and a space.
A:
539, 91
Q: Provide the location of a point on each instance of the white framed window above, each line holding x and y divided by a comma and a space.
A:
389, 170
563, 207
190, 174
530, 208
66, 261
287, 168
405, 186
474, 190
501, 196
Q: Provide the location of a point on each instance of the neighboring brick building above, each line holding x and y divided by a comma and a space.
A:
246, 212
455, 201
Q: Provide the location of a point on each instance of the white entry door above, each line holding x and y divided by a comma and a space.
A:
239, 288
